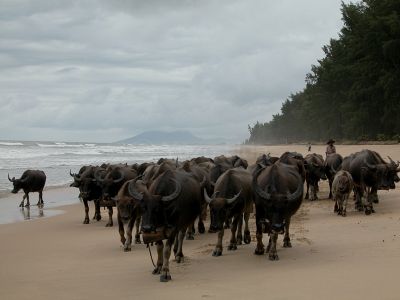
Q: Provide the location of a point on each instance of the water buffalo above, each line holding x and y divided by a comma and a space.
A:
261, 162
172, 203
342, 186
332, 164
294, 159
278, 195
314, 164
30, 181
88, 189
232, 198
370, 173
129, 212
203, 177
110, 183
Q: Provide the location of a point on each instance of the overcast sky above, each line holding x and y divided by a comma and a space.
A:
106, 70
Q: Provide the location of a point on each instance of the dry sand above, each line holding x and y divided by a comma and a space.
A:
356, 257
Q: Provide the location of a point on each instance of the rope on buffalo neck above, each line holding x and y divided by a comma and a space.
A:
151, 256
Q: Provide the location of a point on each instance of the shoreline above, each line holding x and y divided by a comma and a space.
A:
55, 198
70, 260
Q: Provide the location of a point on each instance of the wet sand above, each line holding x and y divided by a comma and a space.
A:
356, 257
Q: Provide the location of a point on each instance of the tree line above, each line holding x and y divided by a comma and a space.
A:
353, 93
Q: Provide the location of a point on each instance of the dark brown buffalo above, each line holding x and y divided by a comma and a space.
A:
30, 181
315, 171
203, 177
262, 161
294, 159
201, 159
370, 173
232, 161
129, 212
232, 198
154, 170
332, 164
110, 183
171, 204
89, 190
278, 195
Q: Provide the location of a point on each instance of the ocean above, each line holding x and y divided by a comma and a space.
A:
56, 159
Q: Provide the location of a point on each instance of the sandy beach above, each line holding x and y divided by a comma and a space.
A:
356, 257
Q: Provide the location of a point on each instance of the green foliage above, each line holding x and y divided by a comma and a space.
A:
354, 91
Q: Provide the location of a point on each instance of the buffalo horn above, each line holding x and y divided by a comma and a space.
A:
231, 200
175, 194
98, 176
298, 192
122, 176
70, 173
133, 192
372, 167
392, 162
203, 182
206, 197
12, 180
258, 189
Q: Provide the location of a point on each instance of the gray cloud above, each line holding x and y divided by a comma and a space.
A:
105, 70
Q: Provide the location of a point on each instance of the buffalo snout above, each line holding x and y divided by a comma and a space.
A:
148, 228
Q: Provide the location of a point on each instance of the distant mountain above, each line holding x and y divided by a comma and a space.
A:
162, 137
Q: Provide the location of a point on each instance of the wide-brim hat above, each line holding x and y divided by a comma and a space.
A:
330, 141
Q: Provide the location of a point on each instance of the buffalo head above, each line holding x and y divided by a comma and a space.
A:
17, 183
219, 207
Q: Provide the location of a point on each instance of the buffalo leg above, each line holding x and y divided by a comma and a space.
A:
22, 202
259, 235
369, 208
336, 207
110, 214
40, 202
27, 200
247, 236
273, 255
160, 250
234, 227
344, 204
239, 234
218, 246
374, 195
128, 242
308, 187
137, 235
358, 198
190, 232
179, 243
121, 230
203, 215
286, 238
211, 229
330, 188
86, 220
97, 214
165, 274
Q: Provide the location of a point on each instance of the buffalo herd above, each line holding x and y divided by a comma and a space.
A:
163, 200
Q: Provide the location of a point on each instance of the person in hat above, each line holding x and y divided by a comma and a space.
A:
330, 149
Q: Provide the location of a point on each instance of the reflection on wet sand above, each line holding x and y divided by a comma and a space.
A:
26, 212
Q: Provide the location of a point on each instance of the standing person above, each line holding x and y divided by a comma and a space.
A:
330, 149
309, 147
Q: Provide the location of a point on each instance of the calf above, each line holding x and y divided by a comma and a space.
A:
341, 187
129, 211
